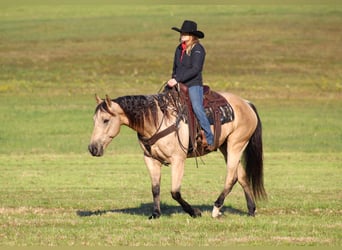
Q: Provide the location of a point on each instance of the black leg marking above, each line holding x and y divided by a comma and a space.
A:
186, 206
156, 202
250, 205
220, 200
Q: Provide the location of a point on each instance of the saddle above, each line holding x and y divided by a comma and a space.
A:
218, 111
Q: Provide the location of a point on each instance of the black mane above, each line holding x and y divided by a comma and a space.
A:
139, 109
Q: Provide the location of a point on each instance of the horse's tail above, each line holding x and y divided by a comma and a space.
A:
254, 160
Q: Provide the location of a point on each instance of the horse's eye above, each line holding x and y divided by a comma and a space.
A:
105, 121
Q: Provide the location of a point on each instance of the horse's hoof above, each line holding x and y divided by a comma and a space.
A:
251, 214
154, 216
197, 213
216, 212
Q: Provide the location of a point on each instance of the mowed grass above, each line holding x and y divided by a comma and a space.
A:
73, 200
54, 58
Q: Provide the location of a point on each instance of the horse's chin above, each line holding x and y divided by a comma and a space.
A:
95, 150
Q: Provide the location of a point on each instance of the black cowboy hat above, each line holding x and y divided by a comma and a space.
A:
191, 28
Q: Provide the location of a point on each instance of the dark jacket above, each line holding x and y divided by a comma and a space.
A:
189, 70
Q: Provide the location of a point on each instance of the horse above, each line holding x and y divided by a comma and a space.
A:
157, 119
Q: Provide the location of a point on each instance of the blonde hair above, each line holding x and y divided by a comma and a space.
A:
193, 41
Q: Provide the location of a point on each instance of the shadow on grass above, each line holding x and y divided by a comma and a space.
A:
145, 209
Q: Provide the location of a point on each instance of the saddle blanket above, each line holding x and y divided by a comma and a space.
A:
226, 114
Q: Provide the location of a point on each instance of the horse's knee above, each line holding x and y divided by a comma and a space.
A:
176, 195
155, 190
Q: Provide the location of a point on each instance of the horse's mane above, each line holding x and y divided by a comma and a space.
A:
139, 109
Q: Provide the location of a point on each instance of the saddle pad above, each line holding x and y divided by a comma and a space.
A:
226, 114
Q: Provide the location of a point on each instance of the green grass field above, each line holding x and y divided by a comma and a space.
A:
287, 59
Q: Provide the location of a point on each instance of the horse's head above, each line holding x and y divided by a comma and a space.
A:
107, 122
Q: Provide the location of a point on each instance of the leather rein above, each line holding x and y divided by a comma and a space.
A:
148, 142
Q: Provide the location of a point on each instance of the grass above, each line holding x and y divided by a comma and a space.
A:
41, 196
97, 49
55, 57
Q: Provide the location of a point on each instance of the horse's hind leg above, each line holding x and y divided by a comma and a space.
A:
244, 182
234, 154
236, 172
231, 179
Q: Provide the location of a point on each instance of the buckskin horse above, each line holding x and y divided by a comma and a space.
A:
163, 131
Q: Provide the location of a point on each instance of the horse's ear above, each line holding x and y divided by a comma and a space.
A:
108, 101
98, 99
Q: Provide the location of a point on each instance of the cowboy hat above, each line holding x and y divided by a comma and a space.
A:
189, 27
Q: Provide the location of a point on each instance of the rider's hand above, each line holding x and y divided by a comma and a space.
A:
172, 82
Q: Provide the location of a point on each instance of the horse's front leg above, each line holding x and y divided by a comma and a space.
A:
154, 168
177, 176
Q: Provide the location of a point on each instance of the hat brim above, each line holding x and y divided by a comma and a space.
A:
196, 33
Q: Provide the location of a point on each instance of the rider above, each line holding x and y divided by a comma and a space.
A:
187, 69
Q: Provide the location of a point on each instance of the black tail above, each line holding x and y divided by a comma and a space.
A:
254, 160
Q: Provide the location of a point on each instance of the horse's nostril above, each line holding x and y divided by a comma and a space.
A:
95, 150
92, 149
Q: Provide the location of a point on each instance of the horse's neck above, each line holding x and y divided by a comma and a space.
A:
142, 114
147, 130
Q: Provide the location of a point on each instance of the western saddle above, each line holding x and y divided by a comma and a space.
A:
218, 111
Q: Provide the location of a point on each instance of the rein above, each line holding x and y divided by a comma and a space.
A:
152, 140
148, 142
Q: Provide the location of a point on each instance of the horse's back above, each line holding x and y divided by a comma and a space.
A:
243, 112
235, 100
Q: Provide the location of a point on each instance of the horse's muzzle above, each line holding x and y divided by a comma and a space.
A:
95, 150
